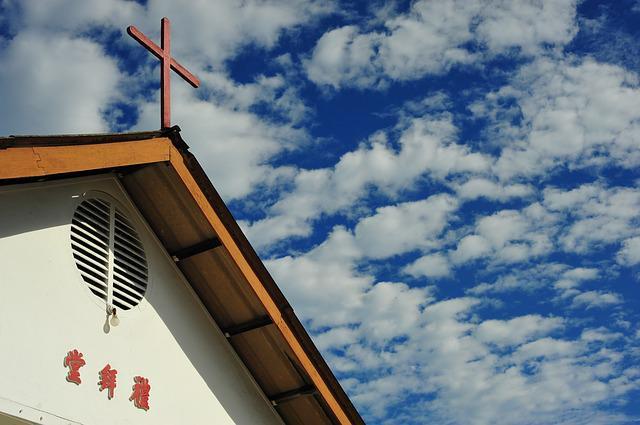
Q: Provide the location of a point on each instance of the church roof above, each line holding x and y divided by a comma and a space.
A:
171, 190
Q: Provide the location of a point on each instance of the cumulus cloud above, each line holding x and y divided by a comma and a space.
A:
456, 369
630, 252
426, 148
39, 74
451, 363
569, 113
592, 299
560, 277
207, 34
480, 187
432, 265
433, 36
404, 227
516, 331
508, 236
598, 215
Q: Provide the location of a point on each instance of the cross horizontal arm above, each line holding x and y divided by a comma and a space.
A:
157, 52
182, 71
145, 41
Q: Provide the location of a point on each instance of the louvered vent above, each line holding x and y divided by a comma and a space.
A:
109, 253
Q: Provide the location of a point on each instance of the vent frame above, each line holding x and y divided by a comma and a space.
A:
110, 257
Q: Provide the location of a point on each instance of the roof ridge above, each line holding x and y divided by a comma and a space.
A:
65, 139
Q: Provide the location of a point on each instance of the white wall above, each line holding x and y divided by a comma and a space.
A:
46, 310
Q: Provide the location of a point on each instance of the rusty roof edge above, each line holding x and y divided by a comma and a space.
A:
215, 200
82, 139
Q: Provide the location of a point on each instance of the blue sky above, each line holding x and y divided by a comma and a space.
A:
447, 191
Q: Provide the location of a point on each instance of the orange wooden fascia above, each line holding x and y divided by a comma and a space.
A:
30, 161
275, 313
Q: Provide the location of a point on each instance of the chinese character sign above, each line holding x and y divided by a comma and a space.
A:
74, 362
108, 380
140, 395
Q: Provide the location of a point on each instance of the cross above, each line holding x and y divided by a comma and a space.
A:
167, 63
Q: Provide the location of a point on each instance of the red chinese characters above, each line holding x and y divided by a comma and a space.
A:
108, 380
74, 362
140, 395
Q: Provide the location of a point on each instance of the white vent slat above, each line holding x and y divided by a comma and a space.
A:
95, 287
134, 283
130, 256
109, 253
125, 248
126, 297
99, 225
97, 252
87, 234
92, 280
97, 277
104, 205
90, 262
134, 274
138, 268
97, 210
121, 305
134, 278
126, 242
80, 239
123, 222
131, 290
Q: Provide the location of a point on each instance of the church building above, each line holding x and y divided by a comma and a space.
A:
129, 295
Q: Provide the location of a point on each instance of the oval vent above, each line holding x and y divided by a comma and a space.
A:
109, 253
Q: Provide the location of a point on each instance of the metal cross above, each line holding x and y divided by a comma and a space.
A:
167, 63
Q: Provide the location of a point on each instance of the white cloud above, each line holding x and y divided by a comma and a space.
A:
516, 331
74, 15
630, 252
593, 299
426, 149
432, 265
342, 53
569, 113
404, 227
433, 36
330, 291
457, 370
597, 215
527, 25
54, 85
323, 283
508, 236
206, 33
479, 187
560, 277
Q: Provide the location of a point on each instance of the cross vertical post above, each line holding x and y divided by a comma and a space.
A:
165, 86
167, 63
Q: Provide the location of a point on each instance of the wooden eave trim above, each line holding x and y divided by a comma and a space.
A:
274, 302
36, 161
